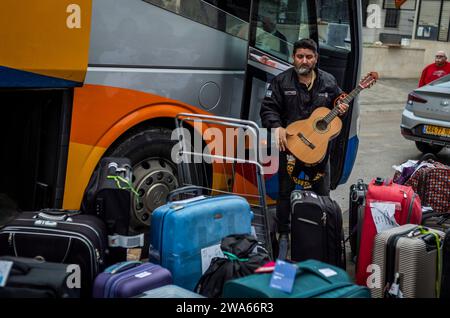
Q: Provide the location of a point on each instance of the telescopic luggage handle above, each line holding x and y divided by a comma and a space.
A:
196, 190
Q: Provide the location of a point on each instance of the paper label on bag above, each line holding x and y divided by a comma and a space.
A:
142, 275
383, 215
208, 253
126, 241
5, 268
327, 272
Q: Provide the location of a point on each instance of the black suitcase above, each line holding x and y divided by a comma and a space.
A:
109, 196
445, 278
357, 201
60, 237
30, 278
316, 229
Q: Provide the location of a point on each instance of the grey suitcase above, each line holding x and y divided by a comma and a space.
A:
409, 258
170, 291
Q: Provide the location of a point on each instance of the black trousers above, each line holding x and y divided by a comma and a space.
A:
287, 185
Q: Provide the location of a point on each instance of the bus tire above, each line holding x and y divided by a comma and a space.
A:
154, 172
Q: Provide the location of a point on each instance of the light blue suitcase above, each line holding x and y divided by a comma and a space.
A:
181, 229
170, 291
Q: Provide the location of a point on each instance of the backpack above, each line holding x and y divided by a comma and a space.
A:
243, 255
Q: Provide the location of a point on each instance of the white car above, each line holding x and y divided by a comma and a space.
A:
426, 118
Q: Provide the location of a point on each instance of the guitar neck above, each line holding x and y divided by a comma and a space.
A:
345, 100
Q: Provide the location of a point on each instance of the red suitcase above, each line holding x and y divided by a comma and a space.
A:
408, 209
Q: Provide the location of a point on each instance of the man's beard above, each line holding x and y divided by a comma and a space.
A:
303, 70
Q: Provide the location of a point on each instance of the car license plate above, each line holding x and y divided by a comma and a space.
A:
437, 131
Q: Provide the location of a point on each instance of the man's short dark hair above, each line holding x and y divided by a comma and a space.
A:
305, 44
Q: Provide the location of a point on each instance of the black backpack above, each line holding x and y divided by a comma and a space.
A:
243, 255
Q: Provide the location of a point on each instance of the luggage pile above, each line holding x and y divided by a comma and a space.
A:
400, 251
209, 244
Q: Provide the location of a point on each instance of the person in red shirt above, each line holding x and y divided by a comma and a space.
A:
439, 68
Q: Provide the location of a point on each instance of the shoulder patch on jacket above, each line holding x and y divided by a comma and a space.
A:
268, 90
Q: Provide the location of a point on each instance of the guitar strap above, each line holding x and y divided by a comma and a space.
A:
306, 184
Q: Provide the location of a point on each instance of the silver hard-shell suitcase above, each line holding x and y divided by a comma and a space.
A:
411, 258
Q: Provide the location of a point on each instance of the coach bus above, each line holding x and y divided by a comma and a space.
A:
85, 79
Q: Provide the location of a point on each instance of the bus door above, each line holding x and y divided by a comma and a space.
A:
274, 28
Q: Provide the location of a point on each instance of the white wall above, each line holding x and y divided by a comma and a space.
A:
431, 47
393, 62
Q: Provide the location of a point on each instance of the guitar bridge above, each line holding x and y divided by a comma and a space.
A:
306, 141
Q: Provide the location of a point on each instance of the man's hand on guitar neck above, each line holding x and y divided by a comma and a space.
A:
280, 137
341, 107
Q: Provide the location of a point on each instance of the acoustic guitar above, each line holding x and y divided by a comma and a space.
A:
308, 139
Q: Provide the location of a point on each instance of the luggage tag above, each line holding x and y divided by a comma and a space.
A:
5, 268
266, 268
283, 276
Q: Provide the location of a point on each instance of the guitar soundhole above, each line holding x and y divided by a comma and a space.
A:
321, 125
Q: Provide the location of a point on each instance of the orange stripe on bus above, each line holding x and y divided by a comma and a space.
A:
103, 113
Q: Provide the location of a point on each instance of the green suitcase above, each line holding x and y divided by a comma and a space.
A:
314, 279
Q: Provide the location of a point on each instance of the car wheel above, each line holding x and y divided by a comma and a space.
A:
428, 148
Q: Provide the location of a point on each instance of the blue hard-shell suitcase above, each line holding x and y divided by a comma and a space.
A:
181, 229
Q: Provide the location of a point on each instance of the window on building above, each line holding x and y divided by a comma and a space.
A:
433, 20
445, 22
365, 4
392, 18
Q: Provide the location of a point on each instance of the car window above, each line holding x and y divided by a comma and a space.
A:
443, 82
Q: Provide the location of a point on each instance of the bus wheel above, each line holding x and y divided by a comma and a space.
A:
154, 173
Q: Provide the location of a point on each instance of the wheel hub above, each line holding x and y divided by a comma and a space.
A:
153, 180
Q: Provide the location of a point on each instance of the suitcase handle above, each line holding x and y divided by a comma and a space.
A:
379, 181
314, 270
196, 190
56, 215
121, 267
124, 171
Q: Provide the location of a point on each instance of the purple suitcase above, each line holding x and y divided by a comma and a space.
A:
128, 279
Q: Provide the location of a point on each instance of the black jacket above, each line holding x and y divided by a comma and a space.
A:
287, 100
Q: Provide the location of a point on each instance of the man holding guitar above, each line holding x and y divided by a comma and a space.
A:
292, 96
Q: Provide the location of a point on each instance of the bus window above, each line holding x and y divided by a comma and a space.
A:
228, 16
280, 24
237, 8
333, 24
